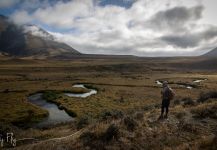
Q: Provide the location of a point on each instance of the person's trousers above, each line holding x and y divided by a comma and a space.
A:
165, 105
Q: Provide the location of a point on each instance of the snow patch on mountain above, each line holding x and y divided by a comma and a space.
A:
36, 31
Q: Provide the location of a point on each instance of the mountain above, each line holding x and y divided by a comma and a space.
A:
212, 53
30, 41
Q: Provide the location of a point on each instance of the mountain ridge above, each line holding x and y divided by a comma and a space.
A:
30, 41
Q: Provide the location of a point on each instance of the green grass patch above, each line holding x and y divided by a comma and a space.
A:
51, 96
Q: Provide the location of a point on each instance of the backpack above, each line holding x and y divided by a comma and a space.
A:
171, 94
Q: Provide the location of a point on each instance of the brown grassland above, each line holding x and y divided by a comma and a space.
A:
123, 114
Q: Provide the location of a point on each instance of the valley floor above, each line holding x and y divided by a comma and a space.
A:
123, 114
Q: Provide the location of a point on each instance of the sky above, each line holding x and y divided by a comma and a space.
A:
123, 27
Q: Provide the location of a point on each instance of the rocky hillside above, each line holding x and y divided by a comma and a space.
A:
30, 41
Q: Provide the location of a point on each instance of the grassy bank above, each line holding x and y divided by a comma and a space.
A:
16, 109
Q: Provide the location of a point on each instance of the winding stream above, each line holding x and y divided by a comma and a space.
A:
188, 86
181, 85
200, 80
83, 95
56, 115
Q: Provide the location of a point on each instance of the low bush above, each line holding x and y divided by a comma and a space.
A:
187, 127
180, 115
176, 102
98, 140
187, 101
111, 114
88, 138
139, 116
61, 107
205, 112
157, 106
112, 132
121, 100
82, 122
130, 123
71, 113
50, 95
148, 107
205, 96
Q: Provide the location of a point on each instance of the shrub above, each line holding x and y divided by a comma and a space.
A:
71, 113
205, 112
50, 95
115, 114
30, 114
61, 107
112, 132
121, 100
187, 127
97, 141
82, 122
139, 115
176, 102
205, 96
157, 106
180, 115
88, 138
188, 101
208, 144
148, 107
130, 123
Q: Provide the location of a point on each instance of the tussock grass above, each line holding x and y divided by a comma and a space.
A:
100, 137
205, 96
50, 96
188, 101
82, 122
130, 123
205, 111
111, 114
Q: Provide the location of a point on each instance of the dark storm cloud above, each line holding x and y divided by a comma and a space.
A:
189, 40
176, 17
183, 41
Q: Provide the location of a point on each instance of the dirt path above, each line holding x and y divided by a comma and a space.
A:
52, 140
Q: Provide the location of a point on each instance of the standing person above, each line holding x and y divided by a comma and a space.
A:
167, 95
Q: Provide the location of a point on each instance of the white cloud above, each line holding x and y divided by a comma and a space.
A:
21, 17
138, 30
62, 14
8, 3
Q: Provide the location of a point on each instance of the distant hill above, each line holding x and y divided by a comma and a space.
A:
212, 53
30, 41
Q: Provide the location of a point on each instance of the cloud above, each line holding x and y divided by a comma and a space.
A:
8, 3
64, 15
175, 18
187, 40
145, 28
21, 17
